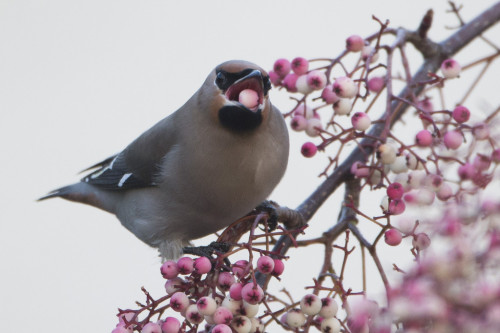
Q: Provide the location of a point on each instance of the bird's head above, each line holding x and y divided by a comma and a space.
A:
241, 100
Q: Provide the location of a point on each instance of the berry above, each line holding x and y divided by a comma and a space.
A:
225, 281
396, 207
310, 304
193, 315
252, 293
387, 153
444, 192
360, 121
329, 307
179, 301
376, 84
241, 324
282, 67
466, 171
421, 241
308, 149
302, 86
185, 265
221, 328
450, 68
170, 325
290, 82
275, 79
393, 237
452, 139
151, 328
495, 156
330, 325
300, 65
172, 285
298, 123
240, 268
235, 291
279, 267
343, 106
223, 316
368, 51
360, 170
232, 305
169, 269
481, 132
345, 87
295, 318
395, 191
265, 264
249, 98
206, 305
202, 265
354, 43
249, 310
423, 138
328, 95
313, 127
481, 162
316, 80
461, 114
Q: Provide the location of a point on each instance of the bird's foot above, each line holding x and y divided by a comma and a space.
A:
208, 250
290, 218
269, 207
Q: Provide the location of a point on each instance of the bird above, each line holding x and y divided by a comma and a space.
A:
199, 169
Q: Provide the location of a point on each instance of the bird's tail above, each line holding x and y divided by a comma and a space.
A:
86, 194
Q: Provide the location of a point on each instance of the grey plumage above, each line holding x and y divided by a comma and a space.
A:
199, 169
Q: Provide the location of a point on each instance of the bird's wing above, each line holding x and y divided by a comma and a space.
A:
139, 164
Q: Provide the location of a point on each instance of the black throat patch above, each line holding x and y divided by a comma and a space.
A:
239, 119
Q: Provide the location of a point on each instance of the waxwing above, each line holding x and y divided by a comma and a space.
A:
198, 170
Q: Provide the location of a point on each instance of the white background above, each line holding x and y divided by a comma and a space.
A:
79, 80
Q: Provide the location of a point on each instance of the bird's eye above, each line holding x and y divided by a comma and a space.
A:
220, 79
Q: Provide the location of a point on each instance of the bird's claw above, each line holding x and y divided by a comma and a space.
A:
269, 207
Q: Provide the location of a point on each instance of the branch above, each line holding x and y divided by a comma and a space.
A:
434, 54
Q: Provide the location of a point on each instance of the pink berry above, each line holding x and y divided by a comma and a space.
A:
395, 191
425, 105
328, 95
452, 139
481, 162
316, 79
300, 65
450, 68
354, 43
265, 265
421, 241
241, 268
360, 170
313, 127
169, 269
121, 329
235, 291
151, 328
173, 285
279, 267
206, 305
185, 265
225, 281
290, 82
221, 328
466, 171
461, 114
170, 325
360, 121
179, 301
282, 67
223, 316
329, 307
393, 237
252, 293
345, 87
308, 149
275, 79
342, 107
249, 98
481, 132
444, 192
423, 138
376, 84
202, 265
396, 207
495, 156
310, 304
298, 123
301, 110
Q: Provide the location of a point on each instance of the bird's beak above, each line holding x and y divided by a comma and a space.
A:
252, 81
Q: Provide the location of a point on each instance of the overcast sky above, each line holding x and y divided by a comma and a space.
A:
79, 80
